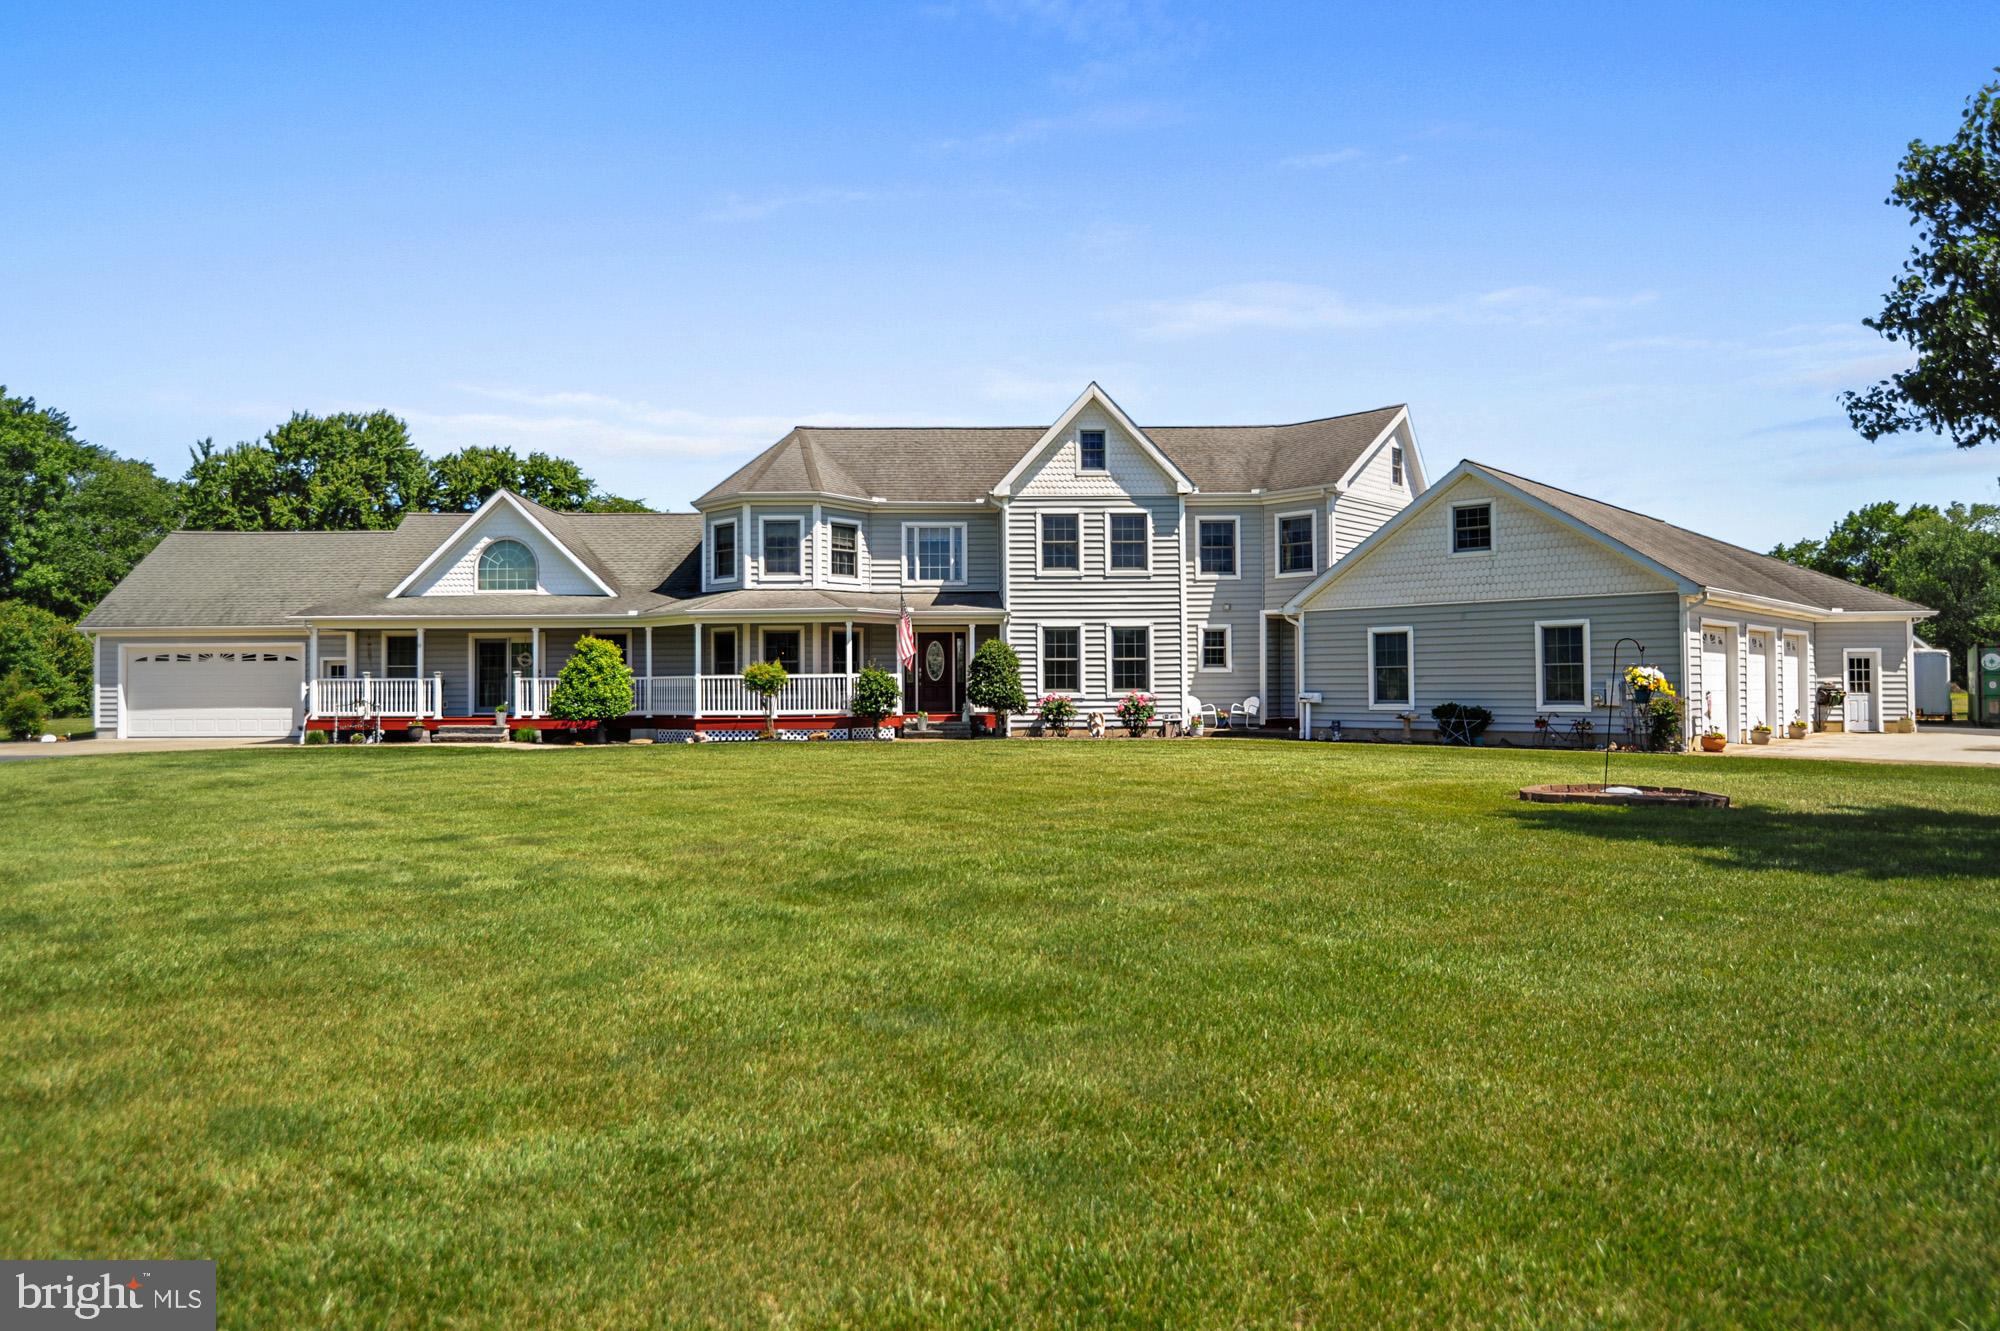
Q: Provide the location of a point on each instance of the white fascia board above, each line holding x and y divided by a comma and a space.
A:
1092, 393
497, 497
1388, 431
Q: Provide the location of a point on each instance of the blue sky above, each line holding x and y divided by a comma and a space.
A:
1622, 252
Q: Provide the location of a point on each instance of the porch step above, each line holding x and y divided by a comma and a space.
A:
940, 730
469, 735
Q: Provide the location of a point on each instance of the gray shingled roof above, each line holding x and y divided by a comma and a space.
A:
198, 579
1715, 565
963, 465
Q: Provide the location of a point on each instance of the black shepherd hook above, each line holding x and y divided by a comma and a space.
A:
1611, 693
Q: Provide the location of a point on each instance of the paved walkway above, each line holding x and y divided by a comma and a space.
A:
1968, 746
86, 748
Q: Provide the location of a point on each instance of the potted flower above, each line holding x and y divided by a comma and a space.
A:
419, 732
1760, 733
1797, 729
1056, 712
1713, 741
1135, 710
1645, 681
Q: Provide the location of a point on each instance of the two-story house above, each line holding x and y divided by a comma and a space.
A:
1111, 557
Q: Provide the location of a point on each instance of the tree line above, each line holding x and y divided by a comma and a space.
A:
75, 517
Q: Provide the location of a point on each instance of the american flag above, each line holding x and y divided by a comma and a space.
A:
906, 640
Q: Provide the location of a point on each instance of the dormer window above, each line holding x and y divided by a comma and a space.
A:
506, 566
1090, 450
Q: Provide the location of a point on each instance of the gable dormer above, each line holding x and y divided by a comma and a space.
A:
508, 546
1093, 450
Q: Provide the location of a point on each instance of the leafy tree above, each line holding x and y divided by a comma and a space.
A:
116, 511
1860, 545
42, 652
607, 503
876, 694
1946, 304
766, 679
38, 455
595, 684
343, 472
993, 681
462, 481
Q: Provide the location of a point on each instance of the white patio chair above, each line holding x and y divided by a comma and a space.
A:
1247, 709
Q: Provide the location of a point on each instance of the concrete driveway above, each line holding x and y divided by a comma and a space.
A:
1964, 746
86, 748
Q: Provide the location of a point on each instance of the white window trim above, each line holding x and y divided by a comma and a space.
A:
1235, 540
1106, 443
387, 634
343, 654
1542, 704
1147, 519
805, 644
1492, 529
708, 553
836, 661
1277, 545
764, 573
1151, 687
1042, 568
1228, 665
1042, 689
709, 657
860, 574
534, 560
1398, 469
1375, 704
903, 555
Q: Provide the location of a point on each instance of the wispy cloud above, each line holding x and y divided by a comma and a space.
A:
1125, 38
1822, 357
580, 421
1121, 117
1298, 306
1321, 161
753, 208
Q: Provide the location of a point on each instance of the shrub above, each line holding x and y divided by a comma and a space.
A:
1135, 709
1057, 712
766, 679
357, 738
51, 657
523, 735
1662, 721
1460, 723
595, 684
993, 681
318, 737
876, 694
23, 711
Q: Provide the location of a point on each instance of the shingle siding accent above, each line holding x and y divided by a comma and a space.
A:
1480, 654
457, 573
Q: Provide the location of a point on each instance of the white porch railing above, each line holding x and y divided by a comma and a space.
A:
368, 696
803, 695
531, 695
657, 695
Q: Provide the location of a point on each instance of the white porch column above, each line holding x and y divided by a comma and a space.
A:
420, 671
971, 642
312, 673
850, 648
649, 651
697, 670
535, 663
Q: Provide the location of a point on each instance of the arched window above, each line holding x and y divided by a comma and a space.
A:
506, 566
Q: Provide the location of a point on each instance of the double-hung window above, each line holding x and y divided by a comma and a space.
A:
1090, 450
723, 659
722, 552
781, 548
1562, 656
1216, 547
1062, 542
1295, 543
1389, 678
1131, 659
784, 647
1215, 647
1471, 528
844, 550
1396, 464
1062, 660
1130, 542
934, 552
836, 650
399, 656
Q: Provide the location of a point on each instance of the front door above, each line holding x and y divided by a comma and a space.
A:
1861, 691
494, 662
937, 673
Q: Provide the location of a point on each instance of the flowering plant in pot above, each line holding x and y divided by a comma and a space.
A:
1712, 741
1135, 710
1645, 681
1797, 729
1760, 733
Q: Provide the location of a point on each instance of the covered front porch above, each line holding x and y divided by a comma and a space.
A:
686, 675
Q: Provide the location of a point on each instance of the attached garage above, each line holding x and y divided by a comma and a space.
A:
249, 690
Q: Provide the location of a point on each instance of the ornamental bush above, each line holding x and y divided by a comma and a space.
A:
595, 684
1135, 709
1057, 712
318, 737
23, 711
1661, 722
524, 735
993, 683
876, 694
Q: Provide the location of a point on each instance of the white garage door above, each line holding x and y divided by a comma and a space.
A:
199, 691
1759, 668
1718, 690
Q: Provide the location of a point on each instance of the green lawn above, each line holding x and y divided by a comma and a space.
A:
1228, 1033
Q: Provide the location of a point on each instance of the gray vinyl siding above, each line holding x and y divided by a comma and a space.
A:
1237, 603
1831, 640
106, 663
882, 537
1372, 497
1481, 653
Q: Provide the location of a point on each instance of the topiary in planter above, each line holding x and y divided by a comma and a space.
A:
993, 683
595, 684
767, 679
